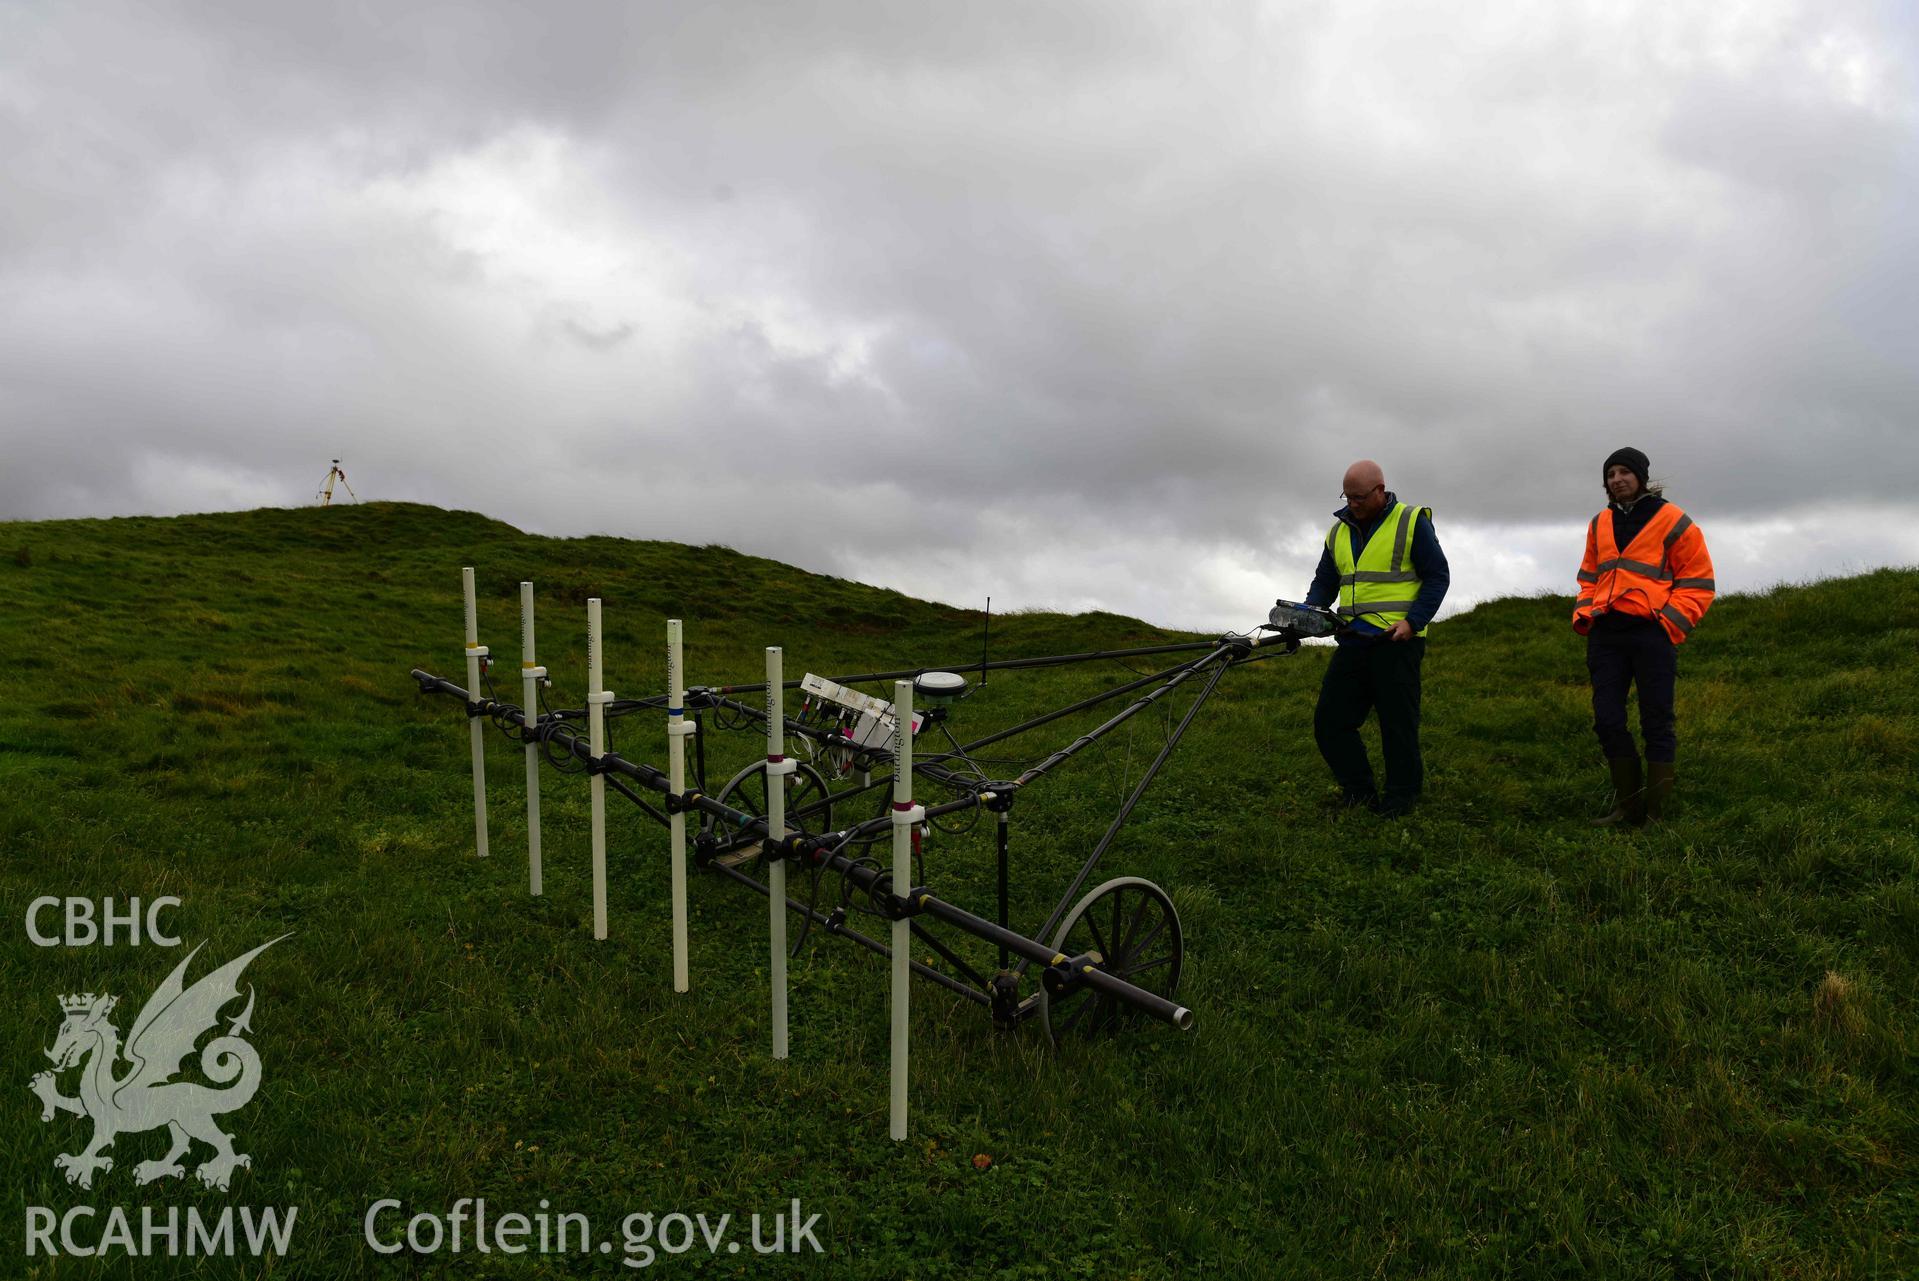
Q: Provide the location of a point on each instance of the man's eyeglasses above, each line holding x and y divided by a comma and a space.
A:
1362, 497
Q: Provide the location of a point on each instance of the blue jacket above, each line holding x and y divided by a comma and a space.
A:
1429, 562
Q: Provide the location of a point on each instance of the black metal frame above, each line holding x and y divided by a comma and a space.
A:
823, 852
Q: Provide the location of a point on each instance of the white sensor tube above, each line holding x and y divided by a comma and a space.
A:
530, 677
596, 700
905, 815
778, 770
476, 724
677, 727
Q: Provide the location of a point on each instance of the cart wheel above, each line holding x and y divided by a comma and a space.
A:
746, 790
1130, 926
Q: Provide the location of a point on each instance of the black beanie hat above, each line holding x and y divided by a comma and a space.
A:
1628, 457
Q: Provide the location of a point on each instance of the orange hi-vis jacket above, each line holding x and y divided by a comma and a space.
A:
1665, 573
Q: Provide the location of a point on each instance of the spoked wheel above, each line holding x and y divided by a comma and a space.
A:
746, 790
1130, 927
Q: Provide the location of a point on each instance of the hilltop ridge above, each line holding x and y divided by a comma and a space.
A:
396, 534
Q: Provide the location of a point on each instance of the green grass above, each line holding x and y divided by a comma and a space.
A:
1483, 1042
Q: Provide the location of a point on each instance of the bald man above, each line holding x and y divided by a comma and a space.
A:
1383, 570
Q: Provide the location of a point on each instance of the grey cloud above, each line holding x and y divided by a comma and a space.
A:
960, 275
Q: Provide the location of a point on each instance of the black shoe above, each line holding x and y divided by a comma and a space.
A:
1628, 794
1395, 807
1659, 784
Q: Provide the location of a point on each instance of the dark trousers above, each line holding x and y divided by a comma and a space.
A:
1621, 653
1363, 677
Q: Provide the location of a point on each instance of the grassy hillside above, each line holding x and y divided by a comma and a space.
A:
1482, 1042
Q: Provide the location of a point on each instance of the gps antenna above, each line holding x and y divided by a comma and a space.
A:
986, 635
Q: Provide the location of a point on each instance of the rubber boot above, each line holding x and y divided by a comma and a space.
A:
1628, 794
1659, 783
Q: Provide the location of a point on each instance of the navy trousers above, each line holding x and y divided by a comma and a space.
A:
1622, 652
1380, 676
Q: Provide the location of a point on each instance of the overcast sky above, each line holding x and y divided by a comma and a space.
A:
1079, 305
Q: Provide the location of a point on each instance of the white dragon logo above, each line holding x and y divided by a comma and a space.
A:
145, 1098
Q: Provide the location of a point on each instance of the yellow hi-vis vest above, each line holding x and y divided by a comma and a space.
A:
1378, 586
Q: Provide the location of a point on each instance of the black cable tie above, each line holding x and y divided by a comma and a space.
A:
681, 802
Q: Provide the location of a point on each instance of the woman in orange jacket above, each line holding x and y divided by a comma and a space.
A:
1645, 584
